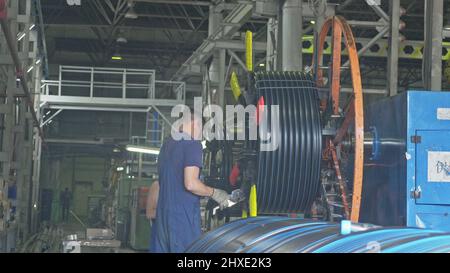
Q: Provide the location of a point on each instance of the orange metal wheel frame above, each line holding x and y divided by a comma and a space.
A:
354, 113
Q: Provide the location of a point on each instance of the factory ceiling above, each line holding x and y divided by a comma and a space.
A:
164, 33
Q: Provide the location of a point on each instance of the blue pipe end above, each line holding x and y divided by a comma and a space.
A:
346, 227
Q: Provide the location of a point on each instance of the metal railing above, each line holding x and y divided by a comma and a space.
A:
121, 89
73, 80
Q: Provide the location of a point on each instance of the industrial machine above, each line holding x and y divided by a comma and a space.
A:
131, 225
139, 224
388, 165
314, 122
407, 176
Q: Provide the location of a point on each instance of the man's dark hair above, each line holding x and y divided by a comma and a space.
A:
195, 115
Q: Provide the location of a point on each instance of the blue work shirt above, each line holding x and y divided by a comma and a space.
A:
177, 222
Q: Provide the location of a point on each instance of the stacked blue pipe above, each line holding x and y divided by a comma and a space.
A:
290, 235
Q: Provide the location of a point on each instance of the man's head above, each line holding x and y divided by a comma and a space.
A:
193, 125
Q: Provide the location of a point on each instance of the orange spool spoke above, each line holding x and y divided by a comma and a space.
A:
336, 64
349, 118
342, 185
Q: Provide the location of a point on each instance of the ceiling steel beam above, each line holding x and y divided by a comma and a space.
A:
232, 23
66, 25
179, 2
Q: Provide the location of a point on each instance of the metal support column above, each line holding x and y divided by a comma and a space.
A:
19, 138
432, 60
393, 50
36, 156
271, 46
292, 28
220, 95
217, 81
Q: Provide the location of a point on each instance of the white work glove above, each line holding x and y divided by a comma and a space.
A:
221, 197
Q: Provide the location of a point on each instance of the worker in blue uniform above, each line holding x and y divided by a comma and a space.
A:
177, 223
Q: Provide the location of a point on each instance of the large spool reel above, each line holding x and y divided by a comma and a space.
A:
289, 177
276, 191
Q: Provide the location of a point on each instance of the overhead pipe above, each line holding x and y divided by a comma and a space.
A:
11, 41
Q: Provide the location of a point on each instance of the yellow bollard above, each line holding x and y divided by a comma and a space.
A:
235, 88
244, 214
249, 50
252, 202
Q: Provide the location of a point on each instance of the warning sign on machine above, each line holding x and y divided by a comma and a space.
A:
438, 166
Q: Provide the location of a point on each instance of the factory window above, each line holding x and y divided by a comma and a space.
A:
20, 46
22, 7
17, 114
27, 130
21, 27
31, 46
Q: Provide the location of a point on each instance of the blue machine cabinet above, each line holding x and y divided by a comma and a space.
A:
408, 181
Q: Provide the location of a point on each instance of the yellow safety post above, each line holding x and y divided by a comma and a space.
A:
249, 50
244, 214
235, 88
252, 202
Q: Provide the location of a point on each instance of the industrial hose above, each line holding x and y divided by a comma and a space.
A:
289, 177
289, 235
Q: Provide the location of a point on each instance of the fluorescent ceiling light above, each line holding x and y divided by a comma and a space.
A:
131, 14
29, 69
116, 57
20, 36
142, 149
38, 61
122, 40
32, 26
